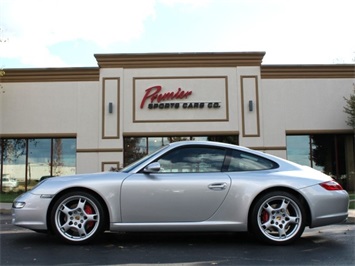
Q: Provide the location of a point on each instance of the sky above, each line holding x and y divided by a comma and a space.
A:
67, 33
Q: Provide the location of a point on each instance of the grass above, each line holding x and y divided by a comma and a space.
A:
8, 197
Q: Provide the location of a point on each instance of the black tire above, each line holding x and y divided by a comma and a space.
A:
77, 217
278, 218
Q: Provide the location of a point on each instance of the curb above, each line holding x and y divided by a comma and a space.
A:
2, 211
5, 208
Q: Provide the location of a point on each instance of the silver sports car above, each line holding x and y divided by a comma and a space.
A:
187, 186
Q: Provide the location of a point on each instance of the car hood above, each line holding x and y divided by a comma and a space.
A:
95, 181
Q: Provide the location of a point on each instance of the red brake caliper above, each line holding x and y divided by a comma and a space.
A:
89, 210
264, 216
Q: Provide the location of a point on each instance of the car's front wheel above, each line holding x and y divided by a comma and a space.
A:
278, 218
77, 217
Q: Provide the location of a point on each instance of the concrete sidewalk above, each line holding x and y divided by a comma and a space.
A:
5, 208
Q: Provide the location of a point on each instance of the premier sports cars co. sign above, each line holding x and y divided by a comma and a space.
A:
180, 99
157, 99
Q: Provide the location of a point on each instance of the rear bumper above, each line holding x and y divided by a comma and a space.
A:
326, 207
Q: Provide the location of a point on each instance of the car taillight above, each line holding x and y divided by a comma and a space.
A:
331, 185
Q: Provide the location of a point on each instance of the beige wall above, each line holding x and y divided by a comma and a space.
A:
291, 102
303, 105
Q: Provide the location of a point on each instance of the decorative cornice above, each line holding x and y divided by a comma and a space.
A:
307, 71
164, 60
51, 74
161, 60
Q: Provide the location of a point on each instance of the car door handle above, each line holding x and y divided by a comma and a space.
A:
217, 186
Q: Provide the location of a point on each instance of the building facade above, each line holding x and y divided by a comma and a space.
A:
60, 121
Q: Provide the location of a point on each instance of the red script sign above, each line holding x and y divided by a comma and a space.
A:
153, 94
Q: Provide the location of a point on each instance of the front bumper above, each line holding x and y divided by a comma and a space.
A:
33, 215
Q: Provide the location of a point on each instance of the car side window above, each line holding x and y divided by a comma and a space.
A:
243, 161
192, 160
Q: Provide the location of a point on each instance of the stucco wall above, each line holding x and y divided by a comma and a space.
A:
303, 105
74, 102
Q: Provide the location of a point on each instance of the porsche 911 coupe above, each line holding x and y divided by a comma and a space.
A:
187, 186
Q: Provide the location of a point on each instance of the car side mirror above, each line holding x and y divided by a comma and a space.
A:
152, 168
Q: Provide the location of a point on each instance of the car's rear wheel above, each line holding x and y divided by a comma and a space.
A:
77, 217
278, 218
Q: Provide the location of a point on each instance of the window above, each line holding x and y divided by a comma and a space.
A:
27, 161
242, 161
137, 147
332, 154
192, 160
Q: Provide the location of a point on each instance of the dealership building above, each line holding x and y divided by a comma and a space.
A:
60, 121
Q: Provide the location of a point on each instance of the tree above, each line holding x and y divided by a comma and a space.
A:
350, 109
57, 162
133, 151
2, 73
12, 149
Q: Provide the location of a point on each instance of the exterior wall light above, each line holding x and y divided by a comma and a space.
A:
110, 108
251, 107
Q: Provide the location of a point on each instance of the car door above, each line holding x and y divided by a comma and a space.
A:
189, 187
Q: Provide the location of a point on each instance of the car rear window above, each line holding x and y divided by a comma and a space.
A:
243, 161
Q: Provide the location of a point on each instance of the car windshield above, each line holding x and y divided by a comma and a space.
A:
142, 160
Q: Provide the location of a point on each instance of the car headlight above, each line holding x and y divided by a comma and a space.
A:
18, 204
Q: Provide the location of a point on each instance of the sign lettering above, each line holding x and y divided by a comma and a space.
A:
153, 94
158, 100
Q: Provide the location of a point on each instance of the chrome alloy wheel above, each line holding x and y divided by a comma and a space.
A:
279, 218
77, 217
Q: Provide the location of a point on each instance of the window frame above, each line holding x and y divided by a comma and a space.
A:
210, 147
250, 155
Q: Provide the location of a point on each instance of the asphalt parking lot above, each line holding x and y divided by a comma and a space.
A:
329, 245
